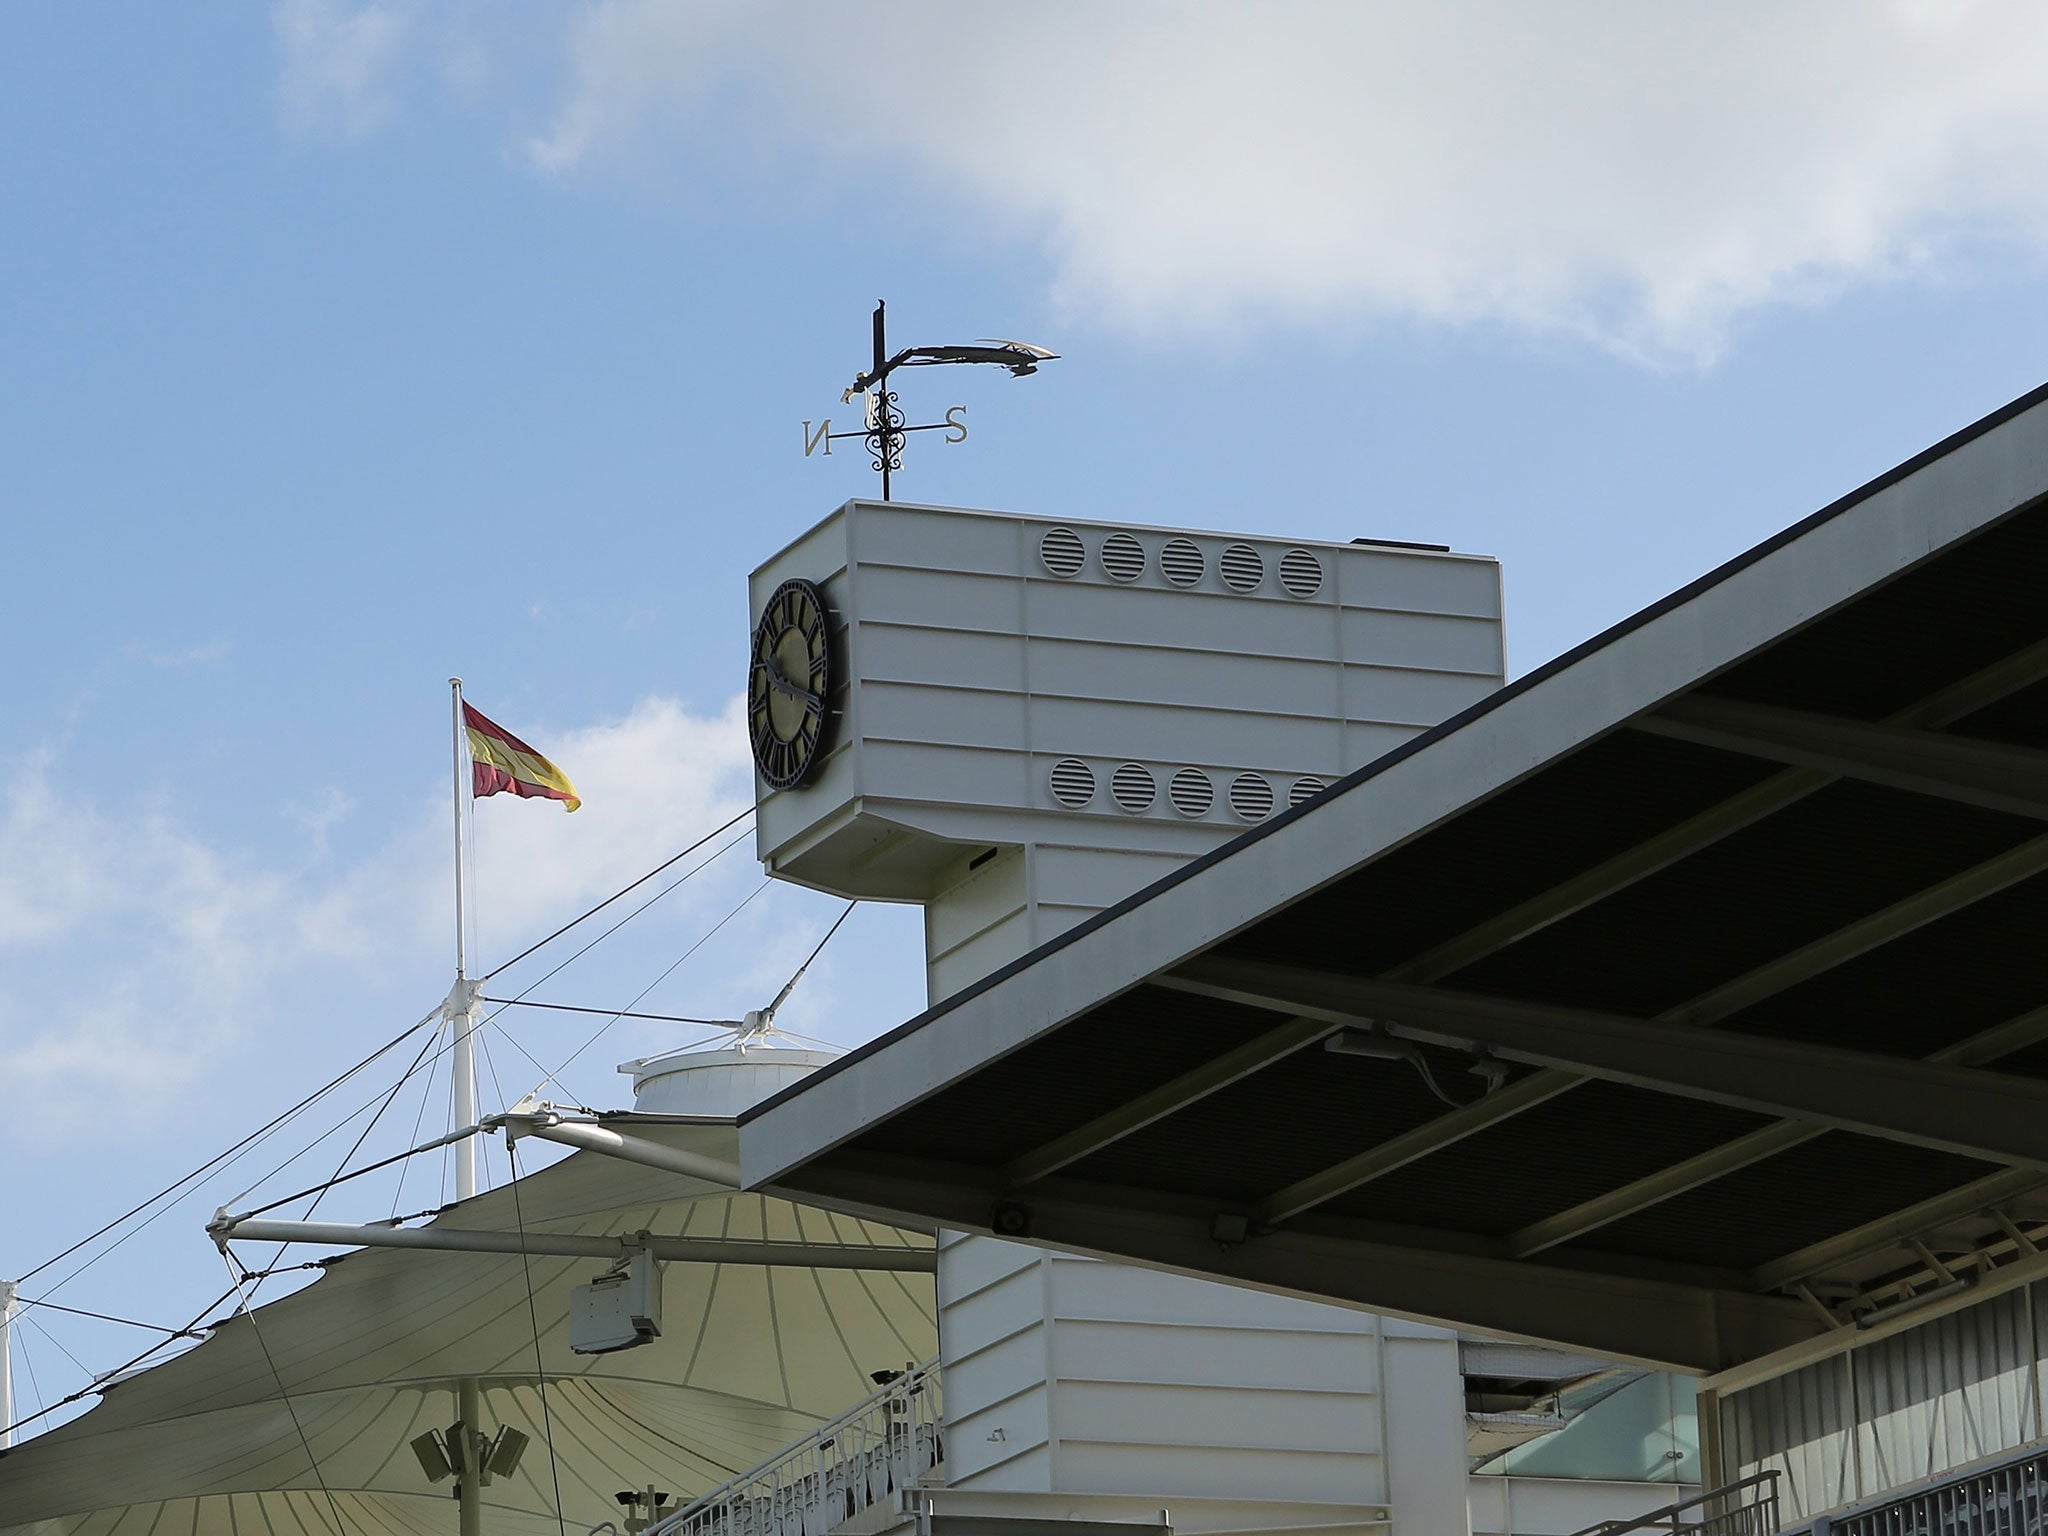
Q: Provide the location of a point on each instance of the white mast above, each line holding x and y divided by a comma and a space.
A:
460, 1013
7, 1308
460, 1009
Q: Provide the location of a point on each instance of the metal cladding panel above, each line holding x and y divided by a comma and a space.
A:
1139, 1382
1799, 1427
981, 649
1926, 1401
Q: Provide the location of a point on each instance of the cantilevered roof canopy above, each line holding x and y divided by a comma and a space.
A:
1743, 904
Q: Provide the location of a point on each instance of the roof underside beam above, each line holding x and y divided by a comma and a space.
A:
1962, 1110
685, 1250
1721, 1002
1198, 1083
1745, 1151
1957, 701
1657, 1323
1982, 773
1895, 1227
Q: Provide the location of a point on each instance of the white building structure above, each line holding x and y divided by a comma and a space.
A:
1030, 720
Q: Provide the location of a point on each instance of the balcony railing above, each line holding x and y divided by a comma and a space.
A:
1747, 1508
2011, 1500
865, 1455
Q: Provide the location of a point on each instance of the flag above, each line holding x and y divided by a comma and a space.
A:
501, 763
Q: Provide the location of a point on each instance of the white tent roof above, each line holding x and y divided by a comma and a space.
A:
215, 1442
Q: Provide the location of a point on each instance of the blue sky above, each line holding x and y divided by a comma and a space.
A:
344, 347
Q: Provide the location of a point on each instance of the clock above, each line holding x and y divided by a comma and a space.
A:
789, 679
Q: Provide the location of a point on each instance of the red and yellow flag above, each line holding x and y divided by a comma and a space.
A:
501, 763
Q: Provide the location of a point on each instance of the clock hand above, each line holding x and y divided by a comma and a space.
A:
779, 681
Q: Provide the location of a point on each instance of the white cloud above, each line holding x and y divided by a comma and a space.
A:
337, 61
139, 953
1643, 175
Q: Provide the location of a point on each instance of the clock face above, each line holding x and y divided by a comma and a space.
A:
788, 682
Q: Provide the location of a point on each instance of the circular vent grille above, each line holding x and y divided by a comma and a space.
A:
1123, 557
1180, 563
1301, 573
1191, 792
1251, 797
1305, 789
1062, 551
1132, 787
1242, 568
1073, 782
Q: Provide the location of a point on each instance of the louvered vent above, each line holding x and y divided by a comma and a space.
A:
1191, 792
1241, 567
1073, 782
1123, 557
1301, 573
1180, 563
1062, 551
1132, 787
1305, 789
1251, 797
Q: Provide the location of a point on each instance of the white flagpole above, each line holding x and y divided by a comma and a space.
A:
461, 1008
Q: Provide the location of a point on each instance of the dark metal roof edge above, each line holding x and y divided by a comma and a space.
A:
1406, 749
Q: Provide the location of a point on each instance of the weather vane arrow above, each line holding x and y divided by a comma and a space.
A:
885, 429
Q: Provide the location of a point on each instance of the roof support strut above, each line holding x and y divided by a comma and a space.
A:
1731, 997
692, 1250
1963, 1110
1981, 773
1945, 706
1652, 1189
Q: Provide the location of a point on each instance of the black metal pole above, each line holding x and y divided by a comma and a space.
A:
882, 394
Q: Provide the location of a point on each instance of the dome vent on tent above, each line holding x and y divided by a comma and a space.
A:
1251, 797
1305, 789
1301, 573
1191, 792
1133, 788
1123, 557
1181, 563
1241, 567
1063, 552
1073, 782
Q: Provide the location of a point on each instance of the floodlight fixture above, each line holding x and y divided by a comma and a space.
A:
434, 1458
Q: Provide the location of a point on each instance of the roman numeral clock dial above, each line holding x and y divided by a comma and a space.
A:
789, 681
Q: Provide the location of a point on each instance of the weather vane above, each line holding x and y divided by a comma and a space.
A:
885, 429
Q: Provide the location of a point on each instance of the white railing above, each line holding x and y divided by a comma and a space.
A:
865, 1455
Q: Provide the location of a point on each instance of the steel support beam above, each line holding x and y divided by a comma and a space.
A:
1957, 701
1895, 1227
686, 1250
1945, 706
1129, 1118
590, 1137
1981, 773
1656, 1323
1964, 1110
1744, 1151
1731, 997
